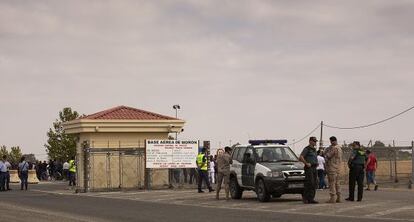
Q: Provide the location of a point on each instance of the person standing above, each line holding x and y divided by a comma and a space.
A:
8, 166
212, 170
66, 170
203, 171
72, 172
223, 172
23, 172
3, 172
321, 170
309, 158
356, 165
372, 165
333, 158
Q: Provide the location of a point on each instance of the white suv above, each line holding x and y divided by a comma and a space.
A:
268, 167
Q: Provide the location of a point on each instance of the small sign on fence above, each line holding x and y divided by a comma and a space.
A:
168, 154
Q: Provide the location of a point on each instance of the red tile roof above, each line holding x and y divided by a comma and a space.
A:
127, 113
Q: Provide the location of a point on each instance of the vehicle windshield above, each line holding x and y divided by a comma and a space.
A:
275, 154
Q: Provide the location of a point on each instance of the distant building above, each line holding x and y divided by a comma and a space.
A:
116, 141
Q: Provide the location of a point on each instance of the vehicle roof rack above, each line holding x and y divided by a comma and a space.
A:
260, 142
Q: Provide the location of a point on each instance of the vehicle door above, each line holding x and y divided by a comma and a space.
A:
248, 168
238, 163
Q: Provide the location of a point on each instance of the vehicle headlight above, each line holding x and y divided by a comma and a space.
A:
274, 174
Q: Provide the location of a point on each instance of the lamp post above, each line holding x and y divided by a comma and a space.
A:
176, 107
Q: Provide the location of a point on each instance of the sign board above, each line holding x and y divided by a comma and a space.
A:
167, 154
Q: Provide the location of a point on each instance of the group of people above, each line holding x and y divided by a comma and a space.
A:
221, 166
22, 170
328, 161
44, 171
56, 170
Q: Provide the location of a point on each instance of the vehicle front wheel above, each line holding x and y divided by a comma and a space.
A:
236, 191
262, 194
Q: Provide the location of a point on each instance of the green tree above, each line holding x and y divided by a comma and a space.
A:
59, 145
15, 155
30, 157
3, 151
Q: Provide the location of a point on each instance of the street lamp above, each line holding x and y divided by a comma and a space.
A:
176, 107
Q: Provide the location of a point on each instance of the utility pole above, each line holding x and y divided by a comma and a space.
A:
320, 139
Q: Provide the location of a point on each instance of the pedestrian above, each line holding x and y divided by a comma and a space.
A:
66, 170
321, 170
372, 165
309, 158
223, 172
8, 166
356, 165
333, 158
23, 172
72, 172
203, 171
3, 172
212, 170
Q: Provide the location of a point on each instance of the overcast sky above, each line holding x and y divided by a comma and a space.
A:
239, 69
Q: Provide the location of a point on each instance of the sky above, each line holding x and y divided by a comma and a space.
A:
239, 69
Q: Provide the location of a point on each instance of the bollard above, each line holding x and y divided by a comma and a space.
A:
14, 176
32, 177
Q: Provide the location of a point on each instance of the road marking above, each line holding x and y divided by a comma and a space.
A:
305, 206
341, 210
247, 205
390, 211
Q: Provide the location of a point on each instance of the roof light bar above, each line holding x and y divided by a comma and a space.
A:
258, 142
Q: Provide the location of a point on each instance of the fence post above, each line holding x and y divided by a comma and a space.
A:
396, 151
86, 156
412, 164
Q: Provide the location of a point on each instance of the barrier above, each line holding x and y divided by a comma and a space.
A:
14, 177
32, 177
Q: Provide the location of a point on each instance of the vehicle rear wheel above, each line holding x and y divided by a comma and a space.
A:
262, 194
236, 191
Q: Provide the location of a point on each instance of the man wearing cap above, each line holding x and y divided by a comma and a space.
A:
333, 156
309, 158
356, 165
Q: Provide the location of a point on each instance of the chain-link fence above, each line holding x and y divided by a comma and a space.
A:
394, 162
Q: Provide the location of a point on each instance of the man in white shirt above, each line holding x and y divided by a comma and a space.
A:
321, 170
66, 170
3, 172
8, 166
212, 170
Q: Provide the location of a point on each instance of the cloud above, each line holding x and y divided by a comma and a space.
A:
263, 68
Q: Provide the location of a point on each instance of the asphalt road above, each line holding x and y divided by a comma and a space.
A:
53, 202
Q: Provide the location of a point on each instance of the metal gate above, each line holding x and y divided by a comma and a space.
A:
114, 169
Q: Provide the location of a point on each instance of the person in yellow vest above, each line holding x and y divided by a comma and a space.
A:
72, 172
203, 171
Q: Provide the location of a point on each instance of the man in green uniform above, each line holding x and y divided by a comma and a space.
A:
356, 165
309, 158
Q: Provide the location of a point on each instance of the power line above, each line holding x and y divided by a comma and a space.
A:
317, 127
371, 124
